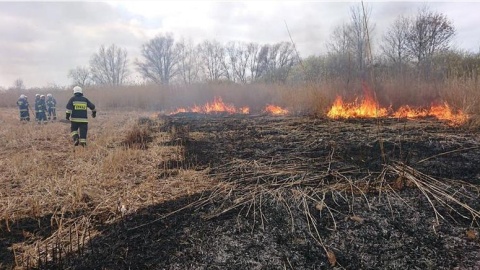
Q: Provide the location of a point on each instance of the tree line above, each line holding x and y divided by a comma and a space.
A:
166, 61
418, 46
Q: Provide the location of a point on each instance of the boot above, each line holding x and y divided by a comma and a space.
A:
83, 142
75, 140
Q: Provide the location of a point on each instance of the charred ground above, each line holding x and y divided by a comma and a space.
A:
265, 219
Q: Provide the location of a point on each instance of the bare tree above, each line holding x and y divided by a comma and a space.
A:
340, 41
229, 61
361, 31
161, 58
109, 66
80, 76
430, 32
349, 49
189, 64
253, 63
281, 60
270, 63
264, 63
18, 84
340, 61
394, 44
243, 56
212, 55
237, 60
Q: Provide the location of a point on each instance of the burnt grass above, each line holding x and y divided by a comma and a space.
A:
390, 231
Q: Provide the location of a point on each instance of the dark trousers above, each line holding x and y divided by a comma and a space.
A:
40, 116
24, 116
79, 133
52, 114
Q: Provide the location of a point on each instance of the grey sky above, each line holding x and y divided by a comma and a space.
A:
41, 41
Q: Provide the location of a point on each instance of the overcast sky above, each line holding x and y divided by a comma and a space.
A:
41, 41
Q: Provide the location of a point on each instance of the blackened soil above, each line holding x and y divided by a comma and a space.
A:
364, 231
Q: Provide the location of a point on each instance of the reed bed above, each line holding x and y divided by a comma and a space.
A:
56, 197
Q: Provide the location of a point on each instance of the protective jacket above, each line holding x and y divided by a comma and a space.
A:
37, 102
22, 105
51, 103
40, 106
77, 108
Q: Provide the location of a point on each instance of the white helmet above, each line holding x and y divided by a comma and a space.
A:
37, 95
49, 95
22, 96
42, 96
77, 89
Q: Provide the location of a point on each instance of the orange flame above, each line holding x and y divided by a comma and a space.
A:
244, 110
366, 109
369, 109
217, 106
441, 112
408, 112
444, 112
275, 110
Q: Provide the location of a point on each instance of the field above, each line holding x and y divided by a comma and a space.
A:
220, 191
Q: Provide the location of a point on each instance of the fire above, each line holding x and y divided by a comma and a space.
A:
366, 109
444, 112
275, 110
217, 106
408, 112
369, 108
245, 110
441, 112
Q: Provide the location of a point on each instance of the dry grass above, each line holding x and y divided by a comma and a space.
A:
43, 178
465, 95
311, 98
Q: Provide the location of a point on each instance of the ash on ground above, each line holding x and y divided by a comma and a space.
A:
301, 193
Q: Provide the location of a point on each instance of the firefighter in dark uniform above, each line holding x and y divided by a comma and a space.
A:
51, 103
24, 108
78, 116
40, 109
37, 103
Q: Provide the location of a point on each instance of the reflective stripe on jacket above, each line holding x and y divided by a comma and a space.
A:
77, 108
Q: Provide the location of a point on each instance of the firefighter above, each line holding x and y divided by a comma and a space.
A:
37, 103
51, 103
78, 116
23, 107
41, 110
